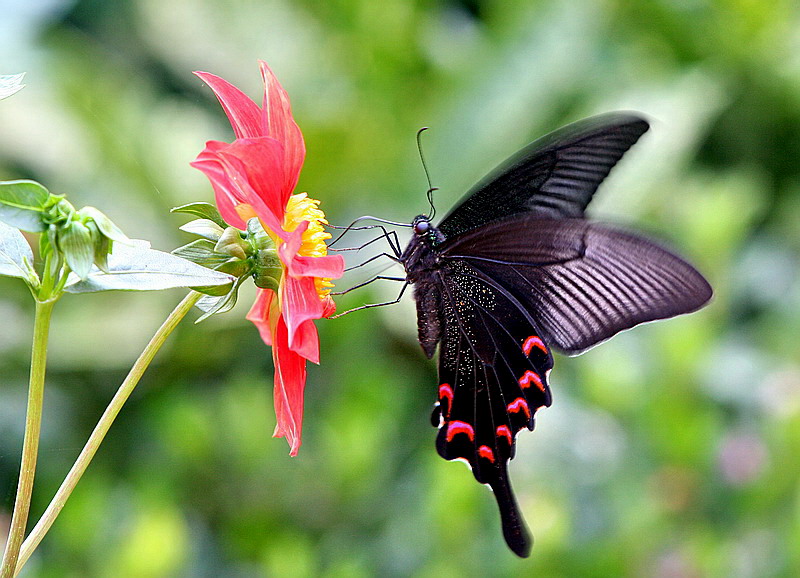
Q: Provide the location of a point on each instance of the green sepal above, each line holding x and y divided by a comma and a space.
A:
258, 236
22, 204
211, 305
231, 243
268, 268
205, 228
267, 277
202, 210
201, 251
218, 291
235, 267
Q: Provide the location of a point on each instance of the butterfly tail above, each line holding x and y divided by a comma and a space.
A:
514, 529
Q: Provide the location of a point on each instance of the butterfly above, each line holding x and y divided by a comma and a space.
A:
514, 271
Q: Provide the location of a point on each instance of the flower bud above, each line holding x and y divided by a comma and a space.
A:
75, 241
104, 224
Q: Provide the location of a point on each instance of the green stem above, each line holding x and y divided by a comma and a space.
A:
102, 427
46, 288
62, 281
30, 445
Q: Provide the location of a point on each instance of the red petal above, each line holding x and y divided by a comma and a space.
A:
299, 303
263, 314
242, 112
305, 342
292, 243
227, 194
254, 166
329, 267
280, 125
329, 307
290, 383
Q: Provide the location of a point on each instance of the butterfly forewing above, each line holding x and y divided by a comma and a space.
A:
583, 282
554, 176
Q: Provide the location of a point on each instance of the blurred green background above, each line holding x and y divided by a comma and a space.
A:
673, 450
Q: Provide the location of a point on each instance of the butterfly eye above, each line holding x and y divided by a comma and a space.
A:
421, 227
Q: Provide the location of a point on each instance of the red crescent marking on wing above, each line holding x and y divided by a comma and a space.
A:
528, 377
457, 427
519, 405
504, 432
446, 393
531, 342
486, 452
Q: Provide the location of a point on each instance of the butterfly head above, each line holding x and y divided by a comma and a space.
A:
421, 225
425, 231
421, 254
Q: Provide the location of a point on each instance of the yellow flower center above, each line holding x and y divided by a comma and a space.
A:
302, 208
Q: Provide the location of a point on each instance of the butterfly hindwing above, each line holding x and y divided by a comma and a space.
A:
582, 281
552, 177
493, 370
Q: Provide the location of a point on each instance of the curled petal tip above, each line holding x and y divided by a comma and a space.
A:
328, 307
294, 441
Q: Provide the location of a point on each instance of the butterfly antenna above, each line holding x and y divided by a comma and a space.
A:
431, 188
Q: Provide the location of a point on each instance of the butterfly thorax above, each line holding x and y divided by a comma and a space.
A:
420, 257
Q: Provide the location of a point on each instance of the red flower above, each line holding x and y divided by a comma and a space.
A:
254, 176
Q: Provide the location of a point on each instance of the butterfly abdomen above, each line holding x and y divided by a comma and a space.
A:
428, 301
422, 265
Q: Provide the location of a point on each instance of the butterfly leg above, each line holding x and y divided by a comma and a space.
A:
375, 278
373, 258
395, 246
390, 236
370, 305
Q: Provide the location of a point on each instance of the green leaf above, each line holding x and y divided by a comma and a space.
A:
78, 247
15, 254
202, 210
22, 204
137, 267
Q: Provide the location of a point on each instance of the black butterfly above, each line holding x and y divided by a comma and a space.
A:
514, 270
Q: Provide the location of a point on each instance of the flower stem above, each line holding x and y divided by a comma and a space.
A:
30, 445
102, 427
